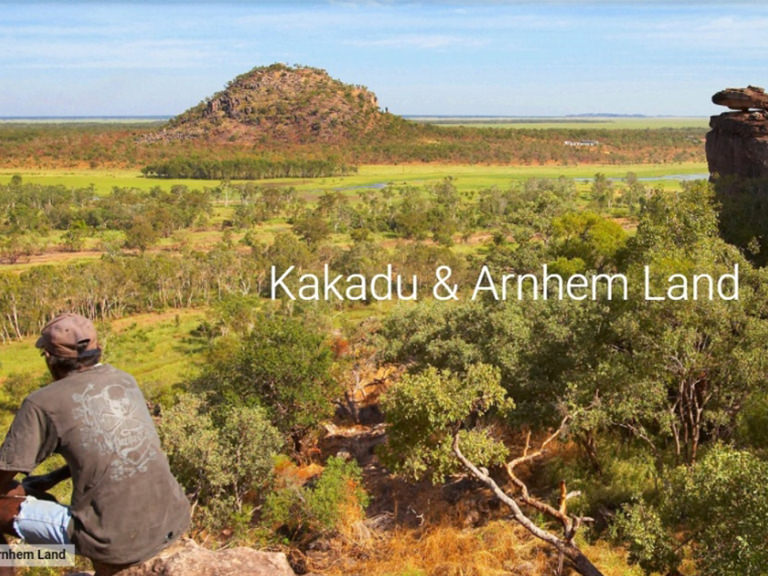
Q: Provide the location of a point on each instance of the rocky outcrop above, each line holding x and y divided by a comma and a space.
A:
737, 143
189, 559
742, 98
290, 104
358, 441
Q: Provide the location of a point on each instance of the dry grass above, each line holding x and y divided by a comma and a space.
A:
499, 548
496, 549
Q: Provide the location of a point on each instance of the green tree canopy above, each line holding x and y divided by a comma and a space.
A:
276, 362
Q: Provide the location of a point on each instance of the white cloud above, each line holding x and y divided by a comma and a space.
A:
139, 54
708, 32
421, 41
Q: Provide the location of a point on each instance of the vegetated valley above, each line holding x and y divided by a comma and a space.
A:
365, 432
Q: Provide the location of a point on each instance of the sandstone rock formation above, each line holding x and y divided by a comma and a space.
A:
190, 559
742, 98
738, 142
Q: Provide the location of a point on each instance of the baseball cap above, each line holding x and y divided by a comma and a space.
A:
69, 336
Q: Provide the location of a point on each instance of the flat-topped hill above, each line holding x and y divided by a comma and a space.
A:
279, 103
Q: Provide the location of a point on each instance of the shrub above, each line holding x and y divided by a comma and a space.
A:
277, 363
719, 505
318, 508
222, 455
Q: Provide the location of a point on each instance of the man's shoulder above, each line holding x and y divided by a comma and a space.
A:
99, 375
99, 372
105, 370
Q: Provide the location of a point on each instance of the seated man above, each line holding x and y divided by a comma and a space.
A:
126, 505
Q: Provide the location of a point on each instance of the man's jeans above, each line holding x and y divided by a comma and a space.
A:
42, 522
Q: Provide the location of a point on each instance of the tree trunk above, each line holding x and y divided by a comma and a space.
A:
581, 563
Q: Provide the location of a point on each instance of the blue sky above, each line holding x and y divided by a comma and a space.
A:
449, 57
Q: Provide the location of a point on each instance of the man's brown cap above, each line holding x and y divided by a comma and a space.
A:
69, 336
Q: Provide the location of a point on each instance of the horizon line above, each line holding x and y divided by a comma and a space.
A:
586, 115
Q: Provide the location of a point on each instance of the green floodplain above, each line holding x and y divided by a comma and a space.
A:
465, 177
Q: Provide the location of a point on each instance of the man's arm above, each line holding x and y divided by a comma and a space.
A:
45, 482
30, 440
6, 476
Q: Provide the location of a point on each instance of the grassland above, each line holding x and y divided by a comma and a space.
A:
102, 180
466, 177
157, 349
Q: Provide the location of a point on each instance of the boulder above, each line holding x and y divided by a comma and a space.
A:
742, 98
358, 441
189, 559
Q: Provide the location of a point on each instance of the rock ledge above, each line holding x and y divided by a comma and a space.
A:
187, 558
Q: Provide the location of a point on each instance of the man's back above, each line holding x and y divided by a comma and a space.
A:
126, 504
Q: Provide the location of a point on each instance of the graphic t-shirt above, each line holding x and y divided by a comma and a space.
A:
126, 504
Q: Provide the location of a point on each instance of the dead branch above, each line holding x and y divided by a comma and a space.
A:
565, 546
569, 523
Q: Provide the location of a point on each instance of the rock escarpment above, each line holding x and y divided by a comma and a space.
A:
737, 153
737, 145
